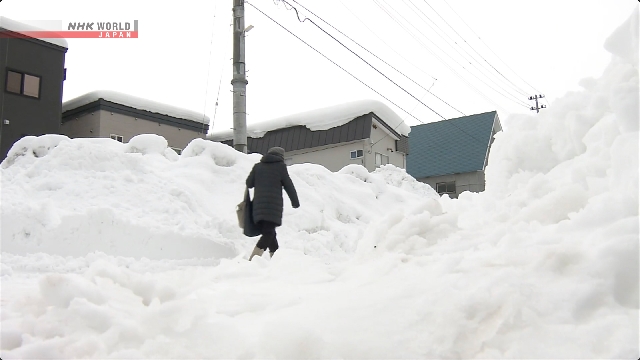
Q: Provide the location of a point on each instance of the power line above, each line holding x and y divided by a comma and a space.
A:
516, 87
377, 57
206, 90
336, 64
452, 58
436, 55
215, 110
270, 18
360, 57
384, 42
481, 69
487, 46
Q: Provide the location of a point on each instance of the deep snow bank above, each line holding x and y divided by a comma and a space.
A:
74, 196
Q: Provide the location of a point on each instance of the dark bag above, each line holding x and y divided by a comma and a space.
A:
245, 216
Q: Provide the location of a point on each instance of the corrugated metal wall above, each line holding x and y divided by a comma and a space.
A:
300, 137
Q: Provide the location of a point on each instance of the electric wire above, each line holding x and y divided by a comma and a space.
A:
515, 87
452, 58
336, 64
437, 57
512, 84
360, 57
206, 91
472, 61
377, 57
362, 82
420, 101
215, 109
384, 42
487, 46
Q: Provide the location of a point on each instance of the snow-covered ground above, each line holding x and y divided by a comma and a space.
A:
116, 250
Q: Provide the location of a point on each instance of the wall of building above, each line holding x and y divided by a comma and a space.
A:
472, 181
384, 144
84, 126
28, 115
128, 127
333, 157
332, 147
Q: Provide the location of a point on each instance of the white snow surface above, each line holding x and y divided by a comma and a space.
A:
123, 251
19, 27
322, 119
134, 102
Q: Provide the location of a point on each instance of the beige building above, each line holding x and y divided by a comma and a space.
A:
366, 133
121, 117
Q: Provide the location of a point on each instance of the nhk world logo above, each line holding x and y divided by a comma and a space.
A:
115, 29
76, 29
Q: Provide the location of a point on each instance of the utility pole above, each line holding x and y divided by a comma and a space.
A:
239, 80
537, 108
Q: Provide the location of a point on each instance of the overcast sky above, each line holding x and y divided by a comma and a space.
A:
486, 55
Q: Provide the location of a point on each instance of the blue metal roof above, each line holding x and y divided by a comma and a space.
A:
451, 146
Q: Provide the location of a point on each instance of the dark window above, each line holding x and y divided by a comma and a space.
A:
446, 187
117, 137
357, 154
14, 82
24, 84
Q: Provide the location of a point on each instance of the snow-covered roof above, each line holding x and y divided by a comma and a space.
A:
134, 102
323, 119
19, 27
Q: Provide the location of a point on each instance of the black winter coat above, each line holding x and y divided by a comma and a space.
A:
268, 177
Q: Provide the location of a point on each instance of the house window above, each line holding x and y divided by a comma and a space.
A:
117, 137
381, 159
446, 187
177, 150
355, 154
24, 84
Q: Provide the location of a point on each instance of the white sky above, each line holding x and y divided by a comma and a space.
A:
550, 44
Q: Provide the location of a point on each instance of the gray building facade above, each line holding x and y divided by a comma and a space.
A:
31, 73
366, 140
102, 118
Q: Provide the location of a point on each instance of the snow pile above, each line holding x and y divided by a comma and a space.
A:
134, 102
141, 256
323, 119
141, 199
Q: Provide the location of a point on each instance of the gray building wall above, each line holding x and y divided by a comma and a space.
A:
336, 156
471, 181
84, 126
333, 157
103, 123
128, 127
27, 115
384, 144
332, 147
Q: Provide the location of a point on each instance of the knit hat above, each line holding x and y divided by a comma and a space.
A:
276, 151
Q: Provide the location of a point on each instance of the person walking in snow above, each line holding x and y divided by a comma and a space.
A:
268, 177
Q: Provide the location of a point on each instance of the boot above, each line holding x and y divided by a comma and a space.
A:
271, 253
256, 252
